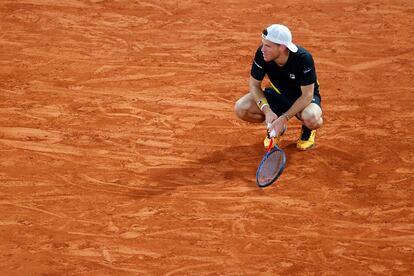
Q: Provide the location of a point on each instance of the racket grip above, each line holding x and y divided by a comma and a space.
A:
272, 133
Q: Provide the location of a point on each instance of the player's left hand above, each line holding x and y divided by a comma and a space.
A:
278, 126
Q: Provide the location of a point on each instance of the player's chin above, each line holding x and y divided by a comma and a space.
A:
266, 57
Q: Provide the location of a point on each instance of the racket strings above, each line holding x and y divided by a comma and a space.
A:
270, 168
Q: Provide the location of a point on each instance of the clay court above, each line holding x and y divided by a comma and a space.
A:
120, 153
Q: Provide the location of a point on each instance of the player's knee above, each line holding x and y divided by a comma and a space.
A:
308, 114
314, 124
311, 112
241, 109
311, 116
318, 124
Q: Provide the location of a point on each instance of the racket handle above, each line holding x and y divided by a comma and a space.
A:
272, 133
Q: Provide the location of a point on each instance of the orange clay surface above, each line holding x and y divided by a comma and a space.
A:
120, 153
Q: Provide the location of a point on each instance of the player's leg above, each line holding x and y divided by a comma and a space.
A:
311, 118
279, 104
247, 110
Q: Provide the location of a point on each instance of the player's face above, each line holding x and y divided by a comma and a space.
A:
270, 50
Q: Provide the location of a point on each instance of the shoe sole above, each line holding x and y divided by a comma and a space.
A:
306, 148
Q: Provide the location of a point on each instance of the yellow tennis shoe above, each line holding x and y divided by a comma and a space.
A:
306, 139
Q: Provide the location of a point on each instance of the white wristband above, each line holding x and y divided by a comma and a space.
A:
263, 105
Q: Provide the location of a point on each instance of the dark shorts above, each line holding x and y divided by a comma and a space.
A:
280, 103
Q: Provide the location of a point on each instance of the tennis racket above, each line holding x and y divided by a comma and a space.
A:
271, 166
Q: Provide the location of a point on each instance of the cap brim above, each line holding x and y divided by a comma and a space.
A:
292, 47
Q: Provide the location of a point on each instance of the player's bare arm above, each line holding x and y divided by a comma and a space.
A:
255, 88
260, 99
300, 104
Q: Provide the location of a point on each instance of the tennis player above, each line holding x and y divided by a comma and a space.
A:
293, 91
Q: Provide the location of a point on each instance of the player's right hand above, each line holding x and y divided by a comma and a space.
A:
270, 117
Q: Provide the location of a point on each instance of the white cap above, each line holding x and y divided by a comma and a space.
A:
279, 34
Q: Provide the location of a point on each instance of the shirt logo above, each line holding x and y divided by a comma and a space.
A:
307, 70
292, 76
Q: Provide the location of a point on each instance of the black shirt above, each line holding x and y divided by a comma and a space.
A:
299, 70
